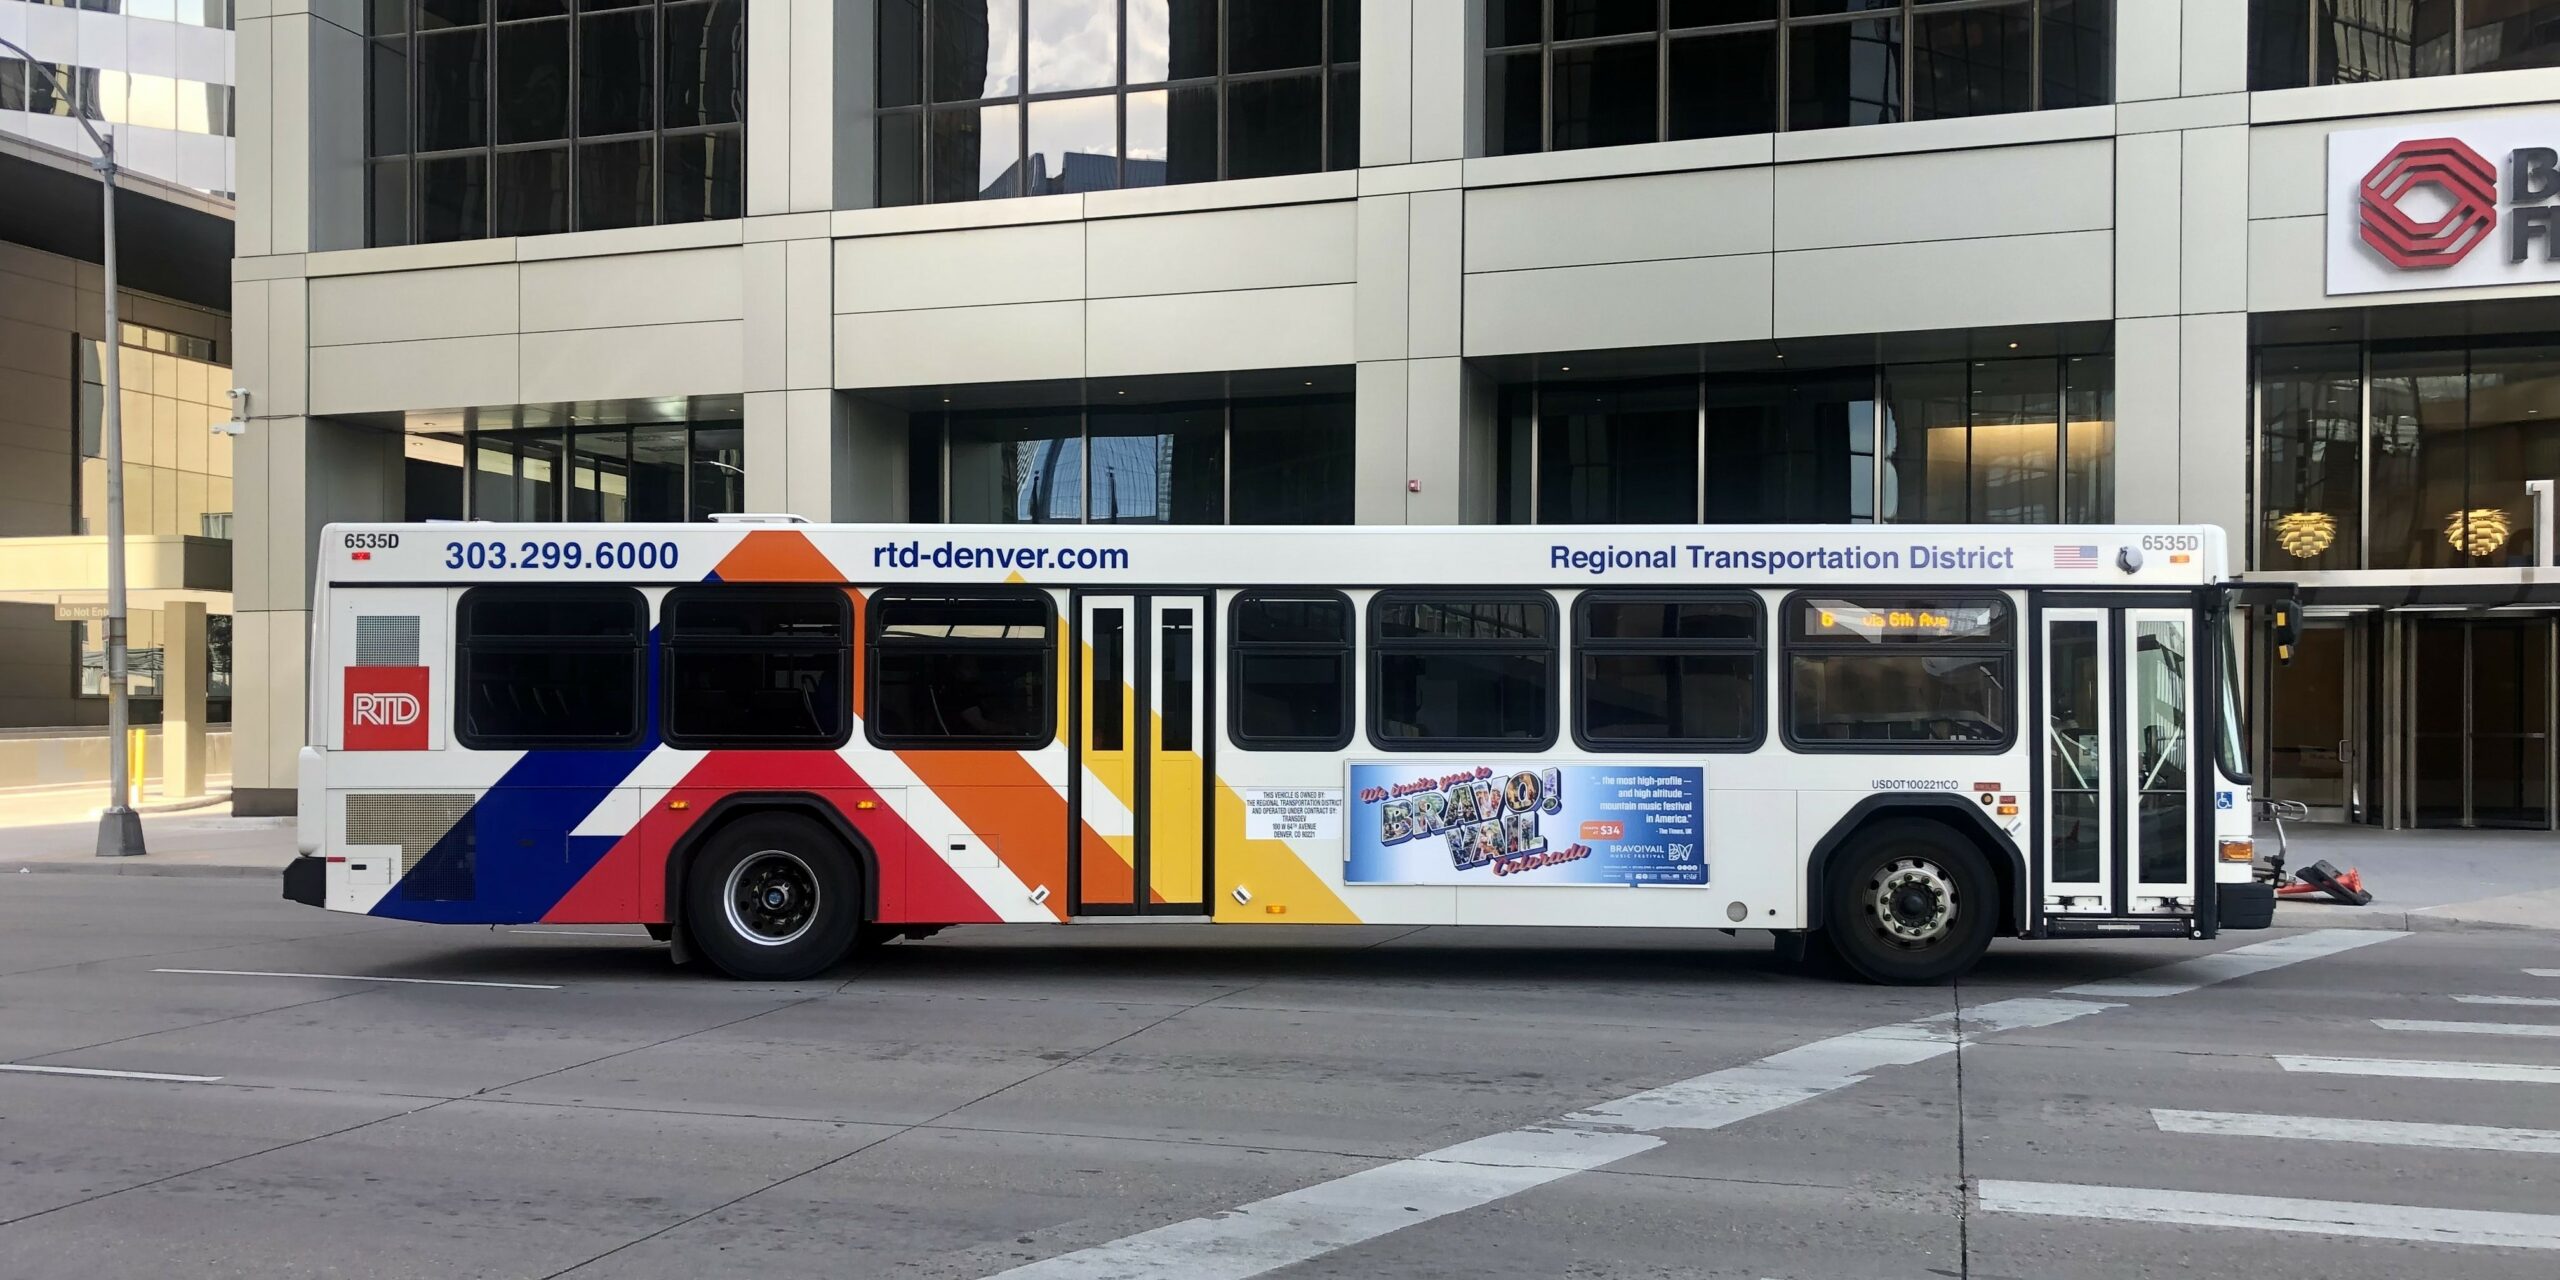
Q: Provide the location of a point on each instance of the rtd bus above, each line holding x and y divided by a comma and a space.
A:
772, 741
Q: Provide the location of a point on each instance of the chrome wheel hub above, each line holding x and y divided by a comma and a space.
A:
1912, 902
771, 898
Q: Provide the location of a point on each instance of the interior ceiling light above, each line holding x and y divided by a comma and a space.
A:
2305, 534
2478, 532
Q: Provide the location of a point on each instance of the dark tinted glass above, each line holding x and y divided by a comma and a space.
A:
976, 153
1176, 643
1342, 146
1514, 103
1463, 619
705, 63
1172, 40
901, 54
1268, 35
717, 614
534, 614
532, 193
1163, 466
455, 198
1508, 22
2279, 43
1582, 19
1292, 620
616, 69
516, 10
388, 214
1107, 714
1293, 696
1844, 73
2504, 35
702, 177
1654, 698
2356, 41
1618, 454
1275, 126
901, 159
910, 619
614, 184
1973, 62
1724, 84
516, 696
1707, 13
1733, 621
387, 94
1899, 698
756, 697
433, 14
1604, 96
1191, 135
1346, 31
453, 77
990, 699
2078, 55
386, 17
1796, 450
533, 82
1301, 458
977, 47
1464, 697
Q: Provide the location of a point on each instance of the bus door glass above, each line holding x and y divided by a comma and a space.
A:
2119, 707
1140, 735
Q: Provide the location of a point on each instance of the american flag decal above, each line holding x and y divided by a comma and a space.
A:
2075, 557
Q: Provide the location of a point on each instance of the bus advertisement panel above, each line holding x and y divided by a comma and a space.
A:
1455, 823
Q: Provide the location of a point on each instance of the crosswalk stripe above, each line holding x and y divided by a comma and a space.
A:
2544, 973
2409, 1069
2538, 1002
2273, 1213
2385, 1133
2239, 962
2468, 1028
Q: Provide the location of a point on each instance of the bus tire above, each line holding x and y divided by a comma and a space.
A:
1911, 902
773, 897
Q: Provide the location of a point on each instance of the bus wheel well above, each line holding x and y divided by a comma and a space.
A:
1951, 812
731, 808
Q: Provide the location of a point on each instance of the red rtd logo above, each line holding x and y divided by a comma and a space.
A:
2453, 171
386, 708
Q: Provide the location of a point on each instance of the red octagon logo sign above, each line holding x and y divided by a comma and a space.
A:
2468, 183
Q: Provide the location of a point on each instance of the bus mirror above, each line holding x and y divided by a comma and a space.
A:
2284, 628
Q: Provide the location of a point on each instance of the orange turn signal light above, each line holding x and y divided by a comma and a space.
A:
2239, 850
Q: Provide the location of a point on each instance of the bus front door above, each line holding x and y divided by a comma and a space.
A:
2118, 696
1140, 732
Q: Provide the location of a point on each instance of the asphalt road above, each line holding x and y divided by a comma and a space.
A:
1159, 1102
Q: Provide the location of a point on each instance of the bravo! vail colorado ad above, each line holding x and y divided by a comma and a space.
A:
1510, 824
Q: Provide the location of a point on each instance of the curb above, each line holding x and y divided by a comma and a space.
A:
134, 867
2404, 922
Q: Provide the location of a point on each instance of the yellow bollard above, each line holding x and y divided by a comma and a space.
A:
133, 756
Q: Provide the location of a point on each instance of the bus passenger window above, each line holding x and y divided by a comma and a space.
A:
750, 666
1471, 671
1291, 668
548, 667
962, 671
1659, 669
1900, 672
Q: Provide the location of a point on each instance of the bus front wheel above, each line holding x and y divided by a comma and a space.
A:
773, 897
1911, 902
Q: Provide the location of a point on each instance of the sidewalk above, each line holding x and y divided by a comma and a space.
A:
192, 842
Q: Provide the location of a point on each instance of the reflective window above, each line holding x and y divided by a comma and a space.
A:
1594, 73
1663, 669
1462, 671
548, 666
524, 118
522, 465
2310, 457
961, 671
1269, 461
1899, 671
2304, 42
1290, 670
985, 99
751, 666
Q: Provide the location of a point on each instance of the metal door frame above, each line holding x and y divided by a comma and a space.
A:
1139, 656
2119, 612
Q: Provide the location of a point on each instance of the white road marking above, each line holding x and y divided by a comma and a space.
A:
2538, 1002
585, 933
2467, 1028
2385, 1133
32, 1069
2239, 962
1297, 1226
2407, 1069
364, 977
2544, 973
2273, 1213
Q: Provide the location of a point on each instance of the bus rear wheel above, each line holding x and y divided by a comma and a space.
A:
1911, 902
773, 897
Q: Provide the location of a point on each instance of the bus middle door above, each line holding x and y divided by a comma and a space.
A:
2116, 688
1140, 734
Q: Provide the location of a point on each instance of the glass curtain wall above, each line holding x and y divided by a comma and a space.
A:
2304, 42
1957, 442
1280, 461
2403, 456
524, 117
985, 99
1561, 74
673, 471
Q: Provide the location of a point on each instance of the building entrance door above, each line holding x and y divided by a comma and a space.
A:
2480, 719
2315, 722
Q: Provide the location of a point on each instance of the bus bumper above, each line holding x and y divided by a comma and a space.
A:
306, 880
2246, 906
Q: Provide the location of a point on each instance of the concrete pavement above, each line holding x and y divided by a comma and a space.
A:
1148, 1102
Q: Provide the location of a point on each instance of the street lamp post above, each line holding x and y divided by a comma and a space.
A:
119, 827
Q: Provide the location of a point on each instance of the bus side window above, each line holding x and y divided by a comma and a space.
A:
1290, 670
1657, 669
1472, 671
963, 670
1900, 672
549, 667
756, 666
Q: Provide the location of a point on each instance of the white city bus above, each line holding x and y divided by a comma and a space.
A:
772, 741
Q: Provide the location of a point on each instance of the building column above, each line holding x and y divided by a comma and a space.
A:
182, 690
791, 103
